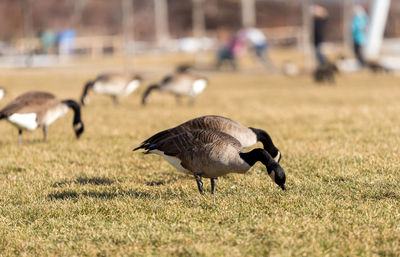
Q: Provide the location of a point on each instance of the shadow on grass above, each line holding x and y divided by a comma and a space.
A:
156, 183
381, 195
94, 194
11, 169
163, 182
85, 181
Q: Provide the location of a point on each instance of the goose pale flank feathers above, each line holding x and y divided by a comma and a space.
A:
34, 109
211, 154
246, 136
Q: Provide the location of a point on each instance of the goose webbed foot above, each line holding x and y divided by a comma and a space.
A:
199, 183
213, 183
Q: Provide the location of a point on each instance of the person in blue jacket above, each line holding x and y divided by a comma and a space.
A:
359, 25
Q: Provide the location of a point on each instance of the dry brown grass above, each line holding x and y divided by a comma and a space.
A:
340, 150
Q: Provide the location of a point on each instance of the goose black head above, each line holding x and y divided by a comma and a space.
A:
79, 128
275, 171
277, 174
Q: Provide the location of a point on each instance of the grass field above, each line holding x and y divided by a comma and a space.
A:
95, 196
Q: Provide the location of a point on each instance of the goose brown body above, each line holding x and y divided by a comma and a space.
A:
211, 154
33, 109
41, 103
246, 136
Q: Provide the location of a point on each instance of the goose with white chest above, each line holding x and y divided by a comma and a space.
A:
40, 109
247, 136
211, 154
181, 83
115, 85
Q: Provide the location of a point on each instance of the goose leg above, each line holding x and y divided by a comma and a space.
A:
192, 100
20, 137
115, 100
44, 134
178, 99
213, 183
199, 182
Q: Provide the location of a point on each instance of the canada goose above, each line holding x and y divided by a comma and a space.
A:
34, 109
112, 84
246, 136
211, 154
2, 93
180, 83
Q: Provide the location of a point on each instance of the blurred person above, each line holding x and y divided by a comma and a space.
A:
228, 48
48, 40
258, 43
65, 41
320, 16
359, 25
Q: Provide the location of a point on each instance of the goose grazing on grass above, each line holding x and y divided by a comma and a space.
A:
246, 136
211, 154
113, 84
34, 109
181, 83
2, 93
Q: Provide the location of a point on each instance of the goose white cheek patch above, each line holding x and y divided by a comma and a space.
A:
277, 157
24, 121
1, 93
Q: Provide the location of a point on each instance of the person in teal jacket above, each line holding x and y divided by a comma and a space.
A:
359, 25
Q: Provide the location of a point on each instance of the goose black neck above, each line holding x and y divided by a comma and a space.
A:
86, 88
147, 93
266, 140
256, 155
76, 108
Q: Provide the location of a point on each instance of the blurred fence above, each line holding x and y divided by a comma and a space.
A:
98, 46
93, 46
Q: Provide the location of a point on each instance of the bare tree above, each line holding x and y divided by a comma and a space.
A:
161, 17
127, 28
248, 13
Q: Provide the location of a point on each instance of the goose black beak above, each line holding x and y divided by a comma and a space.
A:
283, 187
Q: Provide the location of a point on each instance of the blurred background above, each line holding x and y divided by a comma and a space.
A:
52, 32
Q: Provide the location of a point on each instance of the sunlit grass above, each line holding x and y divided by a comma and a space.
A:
95, 196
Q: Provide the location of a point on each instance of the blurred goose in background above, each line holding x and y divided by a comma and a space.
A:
115, 85
211, 154
246, 136
34, 109
181, 83
2, 93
